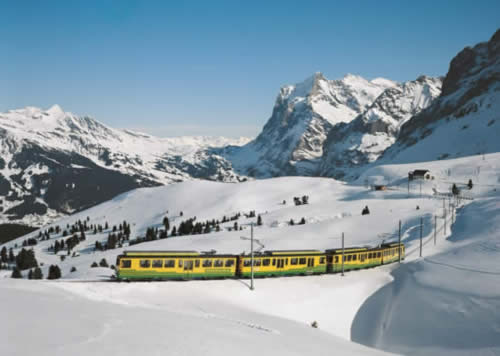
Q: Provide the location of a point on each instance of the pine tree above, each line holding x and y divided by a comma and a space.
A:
73, 269
174, 232
235, 226
54, 272
106, 226
259, 220
30, 274
16, 273
292, 222
302, 221
37, 273
12, 258
103, 263
3, 255
455, 190
166, 223
470, 185
94, 264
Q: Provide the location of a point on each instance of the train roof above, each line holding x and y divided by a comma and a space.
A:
160, 253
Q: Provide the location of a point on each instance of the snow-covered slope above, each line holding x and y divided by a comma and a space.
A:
361, 141
291, 142
465, 119
278, 311
53, 162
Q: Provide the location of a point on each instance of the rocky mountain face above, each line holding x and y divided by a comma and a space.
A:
361, 141
291, 142
465, 119
53, 163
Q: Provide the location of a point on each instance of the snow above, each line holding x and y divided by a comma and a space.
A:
444, 303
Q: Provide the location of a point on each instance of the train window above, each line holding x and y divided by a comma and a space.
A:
126, 263
169, 263
180, 263
229, 263
329, 259
145, 263
302, 261
266, 262
197, 263
321, 260
354, 257
208, 263
274, 261
379, 254
256, 262
336, 259
362, 257
286, 261
370, 255
218, 263
157, 263
293, 261
349, 258
247, 263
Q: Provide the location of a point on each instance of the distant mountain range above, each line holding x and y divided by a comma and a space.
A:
53, 163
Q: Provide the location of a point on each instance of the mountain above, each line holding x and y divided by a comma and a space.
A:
291, 142
354, 144
465, 119
53, 162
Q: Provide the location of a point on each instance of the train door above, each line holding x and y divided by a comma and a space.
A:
281, 263
310, 262
188, 268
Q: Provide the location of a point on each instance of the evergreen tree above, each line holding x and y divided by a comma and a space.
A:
3, 255
455, 190
37, 273
54, 272
103, 263
12, 258
470, 185
94, 264
365, 211
174, 231
26, 259
16, 273
166, 223
292, 222
259, 220
302, 221
106, 226
73, 269
30, 274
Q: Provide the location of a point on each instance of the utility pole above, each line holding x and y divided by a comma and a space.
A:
399, 247
421, 228
342, 254
420, 189
435, 228
408, 186
444, 222
251, 254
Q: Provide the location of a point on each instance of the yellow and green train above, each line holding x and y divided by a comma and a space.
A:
186, 265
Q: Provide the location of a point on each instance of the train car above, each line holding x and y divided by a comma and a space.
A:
174, 265
282, 263
390, 252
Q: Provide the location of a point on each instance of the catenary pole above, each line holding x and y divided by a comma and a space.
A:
251, 253
435, 228
342, 254
399, 247
421, 228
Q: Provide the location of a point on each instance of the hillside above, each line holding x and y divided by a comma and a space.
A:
228, 306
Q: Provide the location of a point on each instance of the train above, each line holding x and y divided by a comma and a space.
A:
189, 265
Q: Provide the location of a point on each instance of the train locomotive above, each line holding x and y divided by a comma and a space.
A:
188, 265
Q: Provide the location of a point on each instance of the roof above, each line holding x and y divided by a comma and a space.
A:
161, 253
420, 171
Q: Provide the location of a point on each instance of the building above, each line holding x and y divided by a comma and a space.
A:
420, 174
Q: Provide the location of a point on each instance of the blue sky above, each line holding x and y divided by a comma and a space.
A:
215, 67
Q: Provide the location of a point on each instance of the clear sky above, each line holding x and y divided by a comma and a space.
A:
215, 67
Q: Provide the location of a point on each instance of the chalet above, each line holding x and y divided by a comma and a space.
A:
380, 187
420, 174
